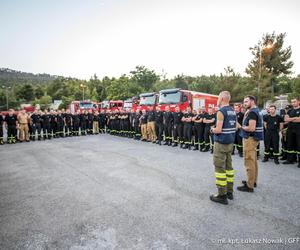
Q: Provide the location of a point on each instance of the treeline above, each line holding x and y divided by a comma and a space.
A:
140, 80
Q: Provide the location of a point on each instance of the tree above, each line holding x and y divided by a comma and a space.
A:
25, 92
270, 61
144, 77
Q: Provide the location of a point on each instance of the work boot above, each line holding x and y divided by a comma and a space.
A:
196, 148
245, 182
189, 147
175, 144
241, 154
276, 161
166, 143
219, 198
265, 159
245, 188
170, 143
287, 162
229, 196
206, 150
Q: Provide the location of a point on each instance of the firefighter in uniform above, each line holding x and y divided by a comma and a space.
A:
143, 124
224, 135
83, 122
209, 121
90, 122
76, 123
238, 142
68, 123
60, 124
284, 133
53, 123
177, 128
187, 128
136, 125
151, 125
167, 122
46, 125
1, 128
96, 123
11, 122
102, 121
23, 120
252, 133
36, 125
198, 129
293, 133
273, 123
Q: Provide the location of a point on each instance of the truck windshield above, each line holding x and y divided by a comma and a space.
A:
104, 105
127, 105
169, 98
86, 105
147, 100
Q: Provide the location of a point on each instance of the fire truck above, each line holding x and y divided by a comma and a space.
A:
131, 104
148, 100
186, 98
111, 105
82, 105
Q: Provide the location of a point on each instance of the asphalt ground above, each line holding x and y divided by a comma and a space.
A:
107, 192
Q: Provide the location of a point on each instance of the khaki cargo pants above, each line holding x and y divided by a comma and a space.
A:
250, 160
223, 167
151, 131
144, 131
95, 127
24, 132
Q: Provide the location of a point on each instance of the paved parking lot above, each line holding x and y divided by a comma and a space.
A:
106, 192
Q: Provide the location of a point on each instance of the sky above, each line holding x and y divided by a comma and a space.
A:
110, 37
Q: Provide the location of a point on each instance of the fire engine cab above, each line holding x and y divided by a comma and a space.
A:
148, 100
82, 105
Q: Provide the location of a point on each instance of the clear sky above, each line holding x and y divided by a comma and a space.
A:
110, 37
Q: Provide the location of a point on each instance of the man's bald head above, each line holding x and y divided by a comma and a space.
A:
224, 98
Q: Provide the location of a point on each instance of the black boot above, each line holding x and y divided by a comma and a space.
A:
276, 160
196, 147
245, 182
229, 196
265, 159
245, 188
219, 198
175, 144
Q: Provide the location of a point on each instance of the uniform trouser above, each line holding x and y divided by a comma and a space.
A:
60, 129
24, 132
224, 172
207, 137
83, 128
293, 145
36, 128
144, 131
1, 134
284, 145
137, 131
11, 134
95, 127
238, 142
76, 128
159, 131
46, 130
168, 132
250, 160
151, 131
187, 133
199, 135
68, 129
90, 127
53, 129
178, 133
271, 142
102, 126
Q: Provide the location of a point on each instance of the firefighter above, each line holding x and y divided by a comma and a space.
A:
46, 124
68, 123
284, 133
112, 118
102, 121
53, 124
126, 126
11, 122
209, 121
187, 128
273, 123
90, 119
130, 123
177, 128
36, 125
293, 133
96, 123
238, 142
224, 135
143, 124
151, 125
252, 133
136, 125
1, 129
167, 122
76, 123
60, 123
83, 122
198, 129
23, 120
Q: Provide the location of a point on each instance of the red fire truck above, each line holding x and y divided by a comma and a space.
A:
186, 98
148, 100
82, 105
131, 103
111, 105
